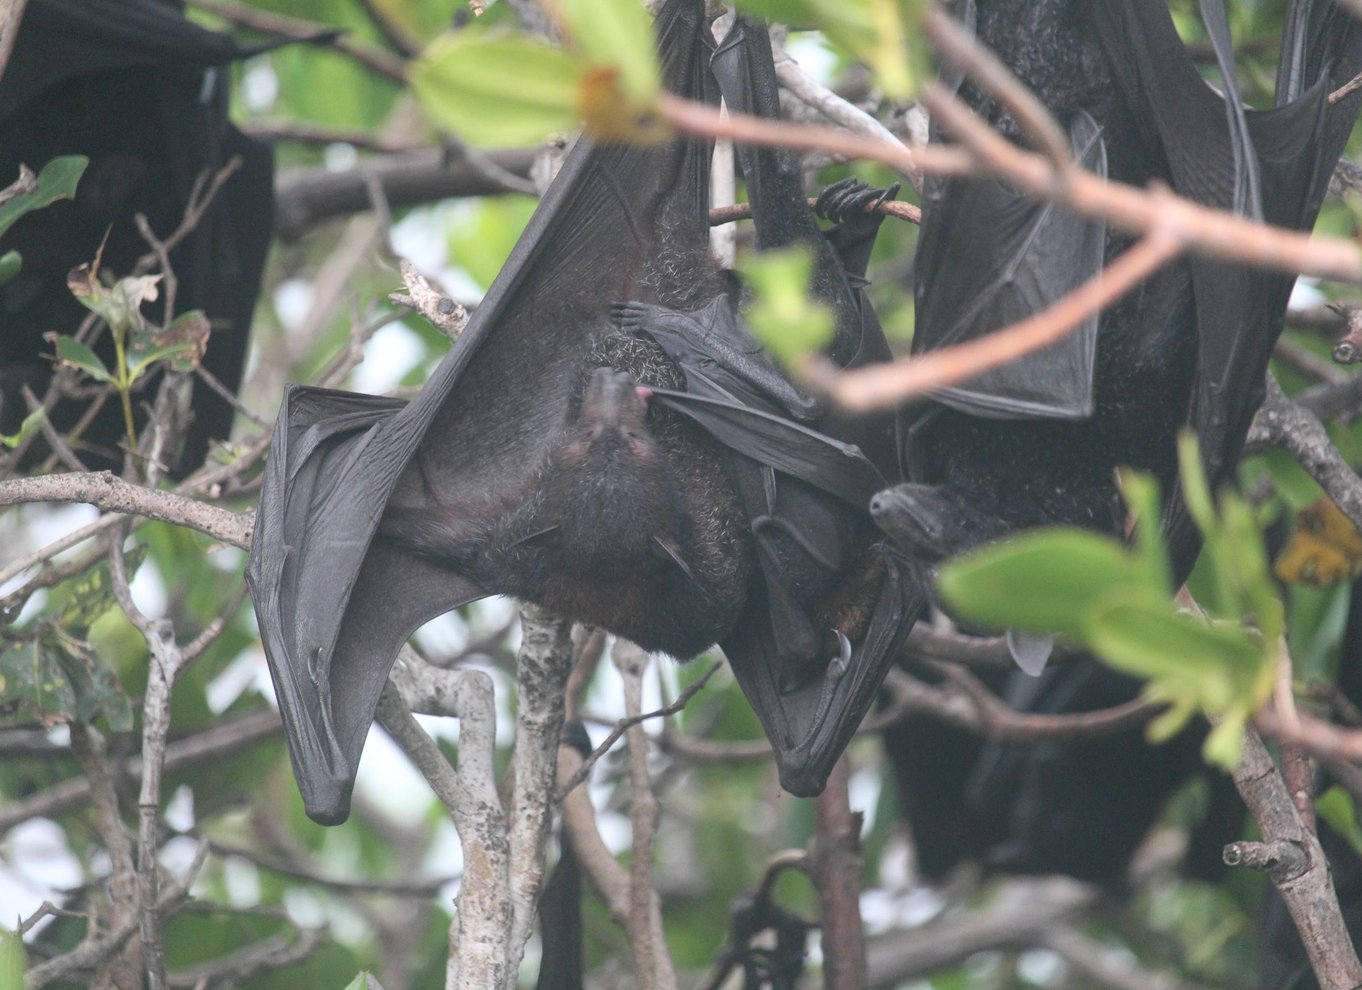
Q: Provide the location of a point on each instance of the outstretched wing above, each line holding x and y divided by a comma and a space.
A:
476, 430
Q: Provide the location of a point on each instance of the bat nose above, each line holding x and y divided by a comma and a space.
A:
611, 396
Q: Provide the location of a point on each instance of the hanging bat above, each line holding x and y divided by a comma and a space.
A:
142, 92
605, 439
1036, 443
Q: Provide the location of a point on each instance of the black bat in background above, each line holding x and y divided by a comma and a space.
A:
141, 91
559, 454
1037, 443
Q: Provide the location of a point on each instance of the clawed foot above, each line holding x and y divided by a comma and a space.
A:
836, 647
631, 317
848, 201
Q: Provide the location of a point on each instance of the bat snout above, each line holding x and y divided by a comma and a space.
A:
612, 399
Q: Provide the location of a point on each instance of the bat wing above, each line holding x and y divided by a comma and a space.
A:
316, 430
476, 431
1272, 164
1033, 254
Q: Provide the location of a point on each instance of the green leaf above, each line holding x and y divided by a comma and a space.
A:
86, 598
497, 91
1141, 492
97, 691
56, 181
11, 959
1040, 582
11, 264
1224, 669
615, 35
1151, 638
140, 361
782, 315
1336, 807
32, 423
884, 34
71, 351
119, 305
32, 676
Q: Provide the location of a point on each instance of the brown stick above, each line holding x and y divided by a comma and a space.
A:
836, 869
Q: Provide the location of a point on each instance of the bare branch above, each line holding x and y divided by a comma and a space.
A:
1291, 426
652, 963
1304, 882
374, 59
105, 490
541, 675
835, 865
625, 724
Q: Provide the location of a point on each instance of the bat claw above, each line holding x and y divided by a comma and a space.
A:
842, 662
847, 201
631, 317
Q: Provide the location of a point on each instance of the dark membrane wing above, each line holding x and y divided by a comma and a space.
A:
479, 426
321, 697
1291, 150
810, 727
1037, 253
787, 446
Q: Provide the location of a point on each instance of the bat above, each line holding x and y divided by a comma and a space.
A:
1076, 806
142, 92
605, 439
1036, 443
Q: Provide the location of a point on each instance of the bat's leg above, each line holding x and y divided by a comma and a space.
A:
745, 69
845, 204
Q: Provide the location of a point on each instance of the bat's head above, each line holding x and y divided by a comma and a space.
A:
926, 524
609, 487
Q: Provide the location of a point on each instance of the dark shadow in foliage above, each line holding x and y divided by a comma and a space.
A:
143, 93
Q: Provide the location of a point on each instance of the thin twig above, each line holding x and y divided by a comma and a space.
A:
625, 724
292, 27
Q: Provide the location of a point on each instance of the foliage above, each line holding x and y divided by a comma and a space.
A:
1117, 601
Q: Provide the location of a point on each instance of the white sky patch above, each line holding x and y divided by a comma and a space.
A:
388, 779
1041, 966
35, 864
340, 157
292, 301
813, 56
180, 809
1305, 293
392, 352
863, 790
149, 589
259, 86
247, 670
